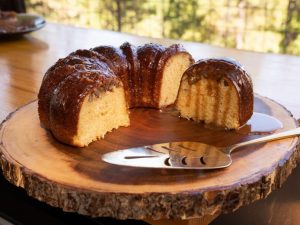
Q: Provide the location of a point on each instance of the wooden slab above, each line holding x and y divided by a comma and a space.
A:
75, 179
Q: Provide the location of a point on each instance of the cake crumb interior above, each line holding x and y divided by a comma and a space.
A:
173, 70
209, 101
99, 115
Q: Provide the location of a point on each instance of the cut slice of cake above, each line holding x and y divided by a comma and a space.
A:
87, 105
170, 68
217, 92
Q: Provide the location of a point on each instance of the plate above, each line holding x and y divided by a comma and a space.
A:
77, 180
33, 22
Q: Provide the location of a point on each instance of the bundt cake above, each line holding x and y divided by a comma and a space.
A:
88, 93
217, 92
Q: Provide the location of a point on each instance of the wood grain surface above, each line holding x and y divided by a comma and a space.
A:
75, 179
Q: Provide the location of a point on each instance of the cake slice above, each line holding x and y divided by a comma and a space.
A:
87, 105
217, 92
169, 71
155, 73
80, 60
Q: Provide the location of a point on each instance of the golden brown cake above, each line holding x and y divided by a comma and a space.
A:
80, 60
217, 92
88, 93
85, 106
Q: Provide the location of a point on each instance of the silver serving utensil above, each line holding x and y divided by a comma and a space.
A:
185, 155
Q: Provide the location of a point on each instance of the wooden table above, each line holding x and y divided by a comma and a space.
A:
23, 61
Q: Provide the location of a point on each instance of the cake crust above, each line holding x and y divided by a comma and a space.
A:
80, 60
148, 56
120, 67
230, 71
130, 52
68, 97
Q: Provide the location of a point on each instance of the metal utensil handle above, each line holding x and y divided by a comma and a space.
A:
272, 137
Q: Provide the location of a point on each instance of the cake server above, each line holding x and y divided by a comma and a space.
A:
185, 155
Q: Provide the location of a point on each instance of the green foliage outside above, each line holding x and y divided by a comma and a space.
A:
258, 25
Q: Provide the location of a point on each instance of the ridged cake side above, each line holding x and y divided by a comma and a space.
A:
154, 73
130, 52
148, 56
80, 60
68, 98
218, 92
119, 65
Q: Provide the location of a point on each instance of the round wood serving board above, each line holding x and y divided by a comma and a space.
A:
75, 179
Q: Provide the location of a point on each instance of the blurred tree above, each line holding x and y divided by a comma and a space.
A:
292, 25
259, 25
180, 17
